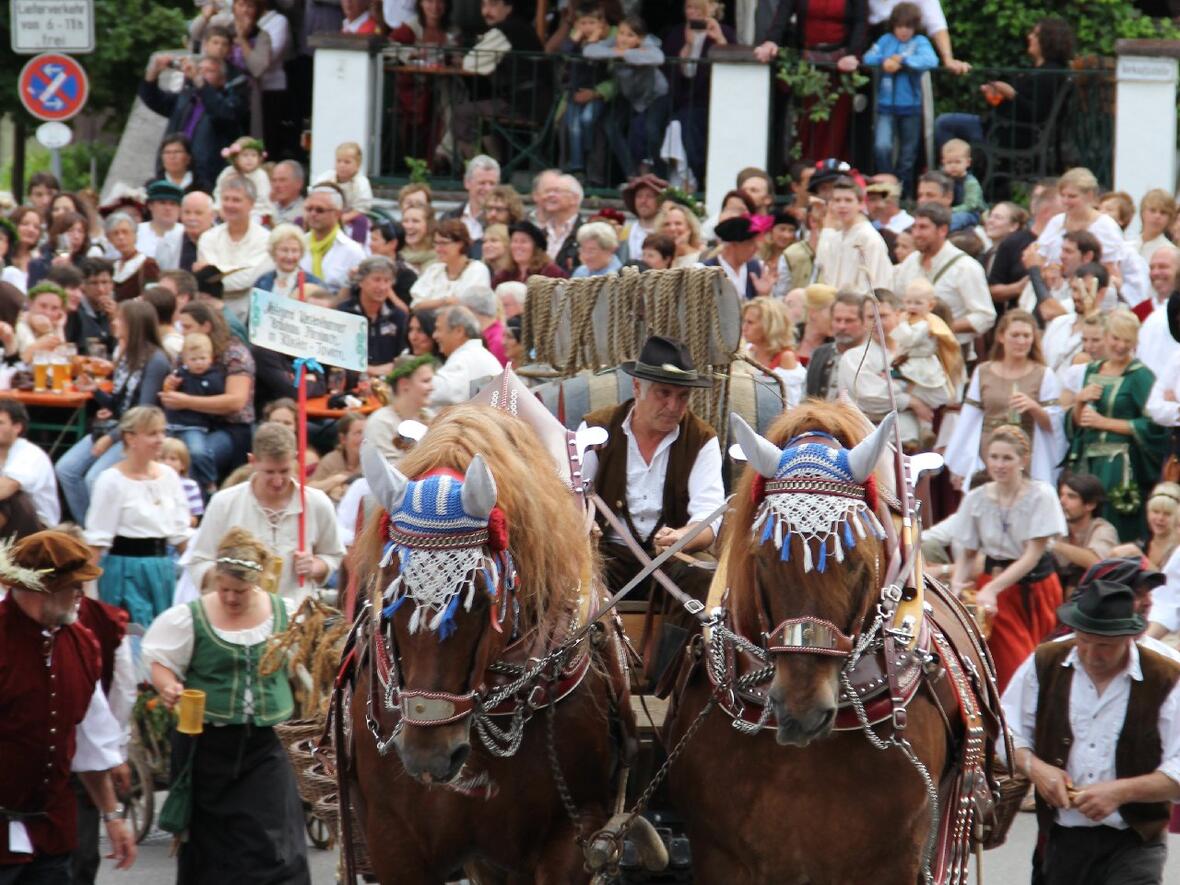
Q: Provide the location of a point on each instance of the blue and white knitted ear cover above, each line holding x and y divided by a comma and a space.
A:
815, 460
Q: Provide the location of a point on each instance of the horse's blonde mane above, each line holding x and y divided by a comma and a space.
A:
742, 551
546, 535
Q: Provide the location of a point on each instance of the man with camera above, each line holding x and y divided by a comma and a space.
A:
210, 110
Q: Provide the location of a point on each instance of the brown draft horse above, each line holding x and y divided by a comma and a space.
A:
442, 801
800, 802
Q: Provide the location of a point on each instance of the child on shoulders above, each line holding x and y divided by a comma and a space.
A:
353, 184
968, 204
245, 158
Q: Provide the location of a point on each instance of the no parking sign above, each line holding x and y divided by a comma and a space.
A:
53, 87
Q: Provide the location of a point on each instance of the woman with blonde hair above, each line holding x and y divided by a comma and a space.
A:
495, 248
682, 225
1157, 211
286, 246
1110, 433
1163, 527
137, 510
1013, 387
769, 335
246, 812
1078, 191
817, 324
1010, 519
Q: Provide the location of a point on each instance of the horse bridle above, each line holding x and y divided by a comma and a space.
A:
808, 634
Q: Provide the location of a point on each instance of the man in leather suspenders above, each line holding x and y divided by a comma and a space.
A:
1096, 726
660, 472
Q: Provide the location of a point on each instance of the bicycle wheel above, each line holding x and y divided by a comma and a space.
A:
141, 802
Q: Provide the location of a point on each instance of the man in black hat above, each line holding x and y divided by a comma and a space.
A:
1095, 724
739, 244
1137, 573
160, 236
660, 472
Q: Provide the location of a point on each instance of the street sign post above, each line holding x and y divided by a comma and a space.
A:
53, 87
47, 25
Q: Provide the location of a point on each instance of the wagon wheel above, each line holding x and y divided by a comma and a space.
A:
320, 833
141, 801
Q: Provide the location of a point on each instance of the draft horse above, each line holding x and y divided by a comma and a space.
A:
815, 791
478, 569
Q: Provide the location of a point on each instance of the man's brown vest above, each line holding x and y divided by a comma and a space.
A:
611, 479
1139, 750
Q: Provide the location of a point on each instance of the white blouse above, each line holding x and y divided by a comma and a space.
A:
435, 284
137, 508
170, 639
1001, 533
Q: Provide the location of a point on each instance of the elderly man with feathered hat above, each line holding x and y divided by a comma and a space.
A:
54, 717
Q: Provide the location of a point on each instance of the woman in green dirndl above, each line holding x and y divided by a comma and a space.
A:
1110, 435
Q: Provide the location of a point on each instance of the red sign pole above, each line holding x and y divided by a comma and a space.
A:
302, 445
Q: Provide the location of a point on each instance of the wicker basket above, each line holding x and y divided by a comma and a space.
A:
1012, 791
297, 730
327, 809
313, 783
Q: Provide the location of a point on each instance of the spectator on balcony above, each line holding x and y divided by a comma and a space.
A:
562, 199
527, 256
597, 245
682, 225
286, 192
903, 55
830, 33
641, 196
440, 284
685, 45
499, 76
635, 122
418, 251
1022, 106
883, 200
482, 174
425, 32
253, 53
358, 18
331, 253
1157, 211
587, 86
208, 111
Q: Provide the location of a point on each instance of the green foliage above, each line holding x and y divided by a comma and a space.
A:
817, 89
419, 170
75, 164
992, 33
126, 33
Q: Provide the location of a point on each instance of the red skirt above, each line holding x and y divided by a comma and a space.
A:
1026, 616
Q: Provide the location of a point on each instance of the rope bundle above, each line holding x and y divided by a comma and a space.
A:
558, 328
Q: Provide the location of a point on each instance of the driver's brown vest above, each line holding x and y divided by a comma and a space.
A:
611, 479
1139, 750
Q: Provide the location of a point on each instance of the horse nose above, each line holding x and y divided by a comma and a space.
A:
801, 731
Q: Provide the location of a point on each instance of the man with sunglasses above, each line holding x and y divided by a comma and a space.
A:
331, 254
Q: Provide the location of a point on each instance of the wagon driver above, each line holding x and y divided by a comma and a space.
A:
53, 713
660, 472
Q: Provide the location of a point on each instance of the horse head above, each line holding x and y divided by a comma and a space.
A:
805, 559
451, 582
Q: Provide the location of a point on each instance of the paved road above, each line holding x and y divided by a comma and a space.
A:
1007, 865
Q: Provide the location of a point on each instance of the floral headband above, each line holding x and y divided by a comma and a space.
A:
249, 144
676, 195
240, 563
409, 367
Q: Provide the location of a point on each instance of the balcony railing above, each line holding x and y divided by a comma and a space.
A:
438, 112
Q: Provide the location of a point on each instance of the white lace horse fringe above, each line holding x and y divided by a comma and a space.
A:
436, 580
831, 521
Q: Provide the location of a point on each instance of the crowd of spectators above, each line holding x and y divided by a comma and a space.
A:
1037, 349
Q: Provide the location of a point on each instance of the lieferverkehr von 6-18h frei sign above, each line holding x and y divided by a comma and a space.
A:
47, 25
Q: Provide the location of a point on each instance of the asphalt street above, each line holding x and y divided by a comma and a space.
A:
1007, 865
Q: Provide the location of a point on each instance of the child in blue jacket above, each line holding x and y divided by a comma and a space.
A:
902, 54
